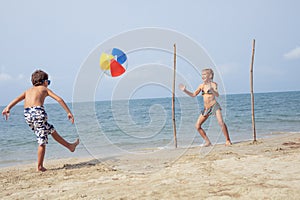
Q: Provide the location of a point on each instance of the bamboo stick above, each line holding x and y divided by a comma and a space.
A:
173, 99
252, 94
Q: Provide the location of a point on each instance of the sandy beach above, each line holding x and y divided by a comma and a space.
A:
269, 169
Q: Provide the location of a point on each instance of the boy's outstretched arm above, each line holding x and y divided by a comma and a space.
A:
6, 110
63, 104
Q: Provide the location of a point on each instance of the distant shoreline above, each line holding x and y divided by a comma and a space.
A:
181, 96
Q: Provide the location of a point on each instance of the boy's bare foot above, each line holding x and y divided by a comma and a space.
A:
207, 144
41, 169
228, 143
74, 145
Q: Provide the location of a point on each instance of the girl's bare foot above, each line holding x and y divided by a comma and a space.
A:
228, 143
74, 145
41, 169
207, 144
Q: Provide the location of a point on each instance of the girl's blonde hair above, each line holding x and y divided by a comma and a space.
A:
210, 71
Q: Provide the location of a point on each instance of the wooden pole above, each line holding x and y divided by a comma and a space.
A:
173, 99
252, 94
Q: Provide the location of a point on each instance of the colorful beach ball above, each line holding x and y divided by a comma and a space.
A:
113, 62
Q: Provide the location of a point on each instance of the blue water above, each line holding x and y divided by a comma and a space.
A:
132, 126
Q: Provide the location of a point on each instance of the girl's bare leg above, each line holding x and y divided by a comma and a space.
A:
198, 125
223, 127
41, 155
62, 141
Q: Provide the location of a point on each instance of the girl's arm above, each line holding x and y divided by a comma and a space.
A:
214, 89
6, 110
191, 94
62, 103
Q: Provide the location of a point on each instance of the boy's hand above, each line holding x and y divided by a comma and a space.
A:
5, 113
71, 117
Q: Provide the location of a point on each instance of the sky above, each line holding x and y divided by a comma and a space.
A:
58, 36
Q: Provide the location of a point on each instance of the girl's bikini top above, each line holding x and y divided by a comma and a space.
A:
208, 92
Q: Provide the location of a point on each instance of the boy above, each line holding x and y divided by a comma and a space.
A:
211, 106
36, 117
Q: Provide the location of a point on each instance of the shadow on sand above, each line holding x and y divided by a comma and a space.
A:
103, 163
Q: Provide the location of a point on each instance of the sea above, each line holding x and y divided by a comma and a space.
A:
113, 128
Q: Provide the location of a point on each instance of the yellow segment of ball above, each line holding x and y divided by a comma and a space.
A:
105, 61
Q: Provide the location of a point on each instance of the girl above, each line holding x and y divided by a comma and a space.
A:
211, 106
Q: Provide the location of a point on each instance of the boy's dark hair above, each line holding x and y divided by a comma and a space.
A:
38, 77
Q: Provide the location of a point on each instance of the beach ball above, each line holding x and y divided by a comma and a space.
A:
113, 62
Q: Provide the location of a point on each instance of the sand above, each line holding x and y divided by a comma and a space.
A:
269, 169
